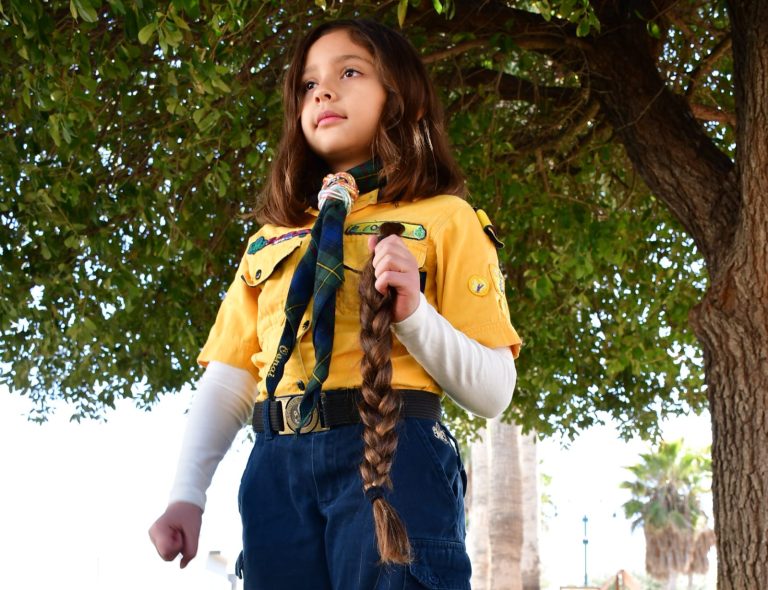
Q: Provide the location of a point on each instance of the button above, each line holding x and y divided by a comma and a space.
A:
300, 385
258, 274
305, 325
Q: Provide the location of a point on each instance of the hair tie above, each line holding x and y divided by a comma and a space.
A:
374, 492
338, 187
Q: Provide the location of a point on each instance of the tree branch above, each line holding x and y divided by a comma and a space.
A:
666, 144
492, 16
707, 113
512, 87
457, 49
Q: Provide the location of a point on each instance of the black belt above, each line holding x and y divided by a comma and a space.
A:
337, 408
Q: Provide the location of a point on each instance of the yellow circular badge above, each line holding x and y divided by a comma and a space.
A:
478, 285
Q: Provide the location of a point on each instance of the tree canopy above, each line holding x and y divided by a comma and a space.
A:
136, 135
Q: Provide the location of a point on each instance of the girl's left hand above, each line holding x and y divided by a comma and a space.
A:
395, 267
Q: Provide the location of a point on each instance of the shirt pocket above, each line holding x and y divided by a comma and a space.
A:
270, 270
356, 256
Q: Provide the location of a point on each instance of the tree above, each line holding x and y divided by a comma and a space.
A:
627, 169
666, 502
496, 514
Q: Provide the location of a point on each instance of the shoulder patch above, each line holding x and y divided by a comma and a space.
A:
413, 231
261, 242
488, 228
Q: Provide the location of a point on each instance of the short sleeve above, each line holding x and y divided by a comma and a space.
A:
233, 339
470, 285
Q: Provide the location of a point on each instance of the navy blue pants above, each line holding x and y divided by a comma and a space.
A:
307, 524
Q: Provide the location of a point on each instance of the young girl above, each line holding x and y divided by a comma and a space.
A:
344, 454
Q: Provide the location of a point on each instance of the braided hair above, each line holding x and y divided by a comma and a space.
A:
380, 411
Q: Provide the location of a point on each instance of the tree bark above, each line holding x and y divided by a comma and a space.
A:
529, 462
477, 530
505, 518
732, 324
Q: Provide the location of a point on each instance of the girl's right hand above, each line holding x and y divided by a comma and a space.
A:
177, 531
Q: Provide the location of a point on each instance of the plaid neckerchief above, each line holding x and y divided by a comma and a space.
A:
318, 275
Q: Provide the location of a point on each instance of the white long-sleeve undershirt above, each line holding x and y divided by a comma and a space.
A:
223, 402
479, 379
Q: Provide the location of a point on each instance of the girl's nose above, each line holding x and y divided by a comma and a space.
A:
324, 92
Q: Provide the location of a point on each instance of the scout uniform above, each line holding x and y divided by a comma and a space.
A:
304, 514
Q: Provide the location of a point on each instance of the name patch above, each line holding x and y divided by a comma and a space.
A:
413, 231
262, 242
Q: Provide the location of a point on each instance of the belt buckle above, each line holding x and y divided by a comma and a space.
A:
291, 408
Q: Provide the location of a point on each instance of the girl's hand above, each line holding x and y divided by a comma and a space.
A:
177, 531
396, 268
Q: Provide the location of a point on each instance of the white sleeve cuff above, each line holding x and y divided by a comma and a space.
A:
222, 404
479, 379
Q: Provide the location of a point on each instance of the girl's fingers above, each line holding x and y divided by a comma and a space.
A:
396, 268
166, 540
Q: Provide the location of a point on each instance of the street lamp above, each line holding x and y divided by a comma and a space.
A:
585, 520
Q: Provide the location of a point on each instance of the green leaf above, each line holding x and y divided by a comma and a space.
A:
180, 22
146, 32
438, 6
84, 10
402, 9
221, 85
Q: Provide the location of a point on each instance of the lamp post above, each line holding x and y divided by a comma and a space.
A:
585, 520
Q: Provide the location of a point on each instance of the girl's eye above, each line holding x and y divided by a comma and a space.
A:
349, 73
307, 86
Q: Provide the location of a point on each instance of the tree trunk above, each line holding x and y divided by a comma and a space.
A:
690, 581
732, 324
672, 581
505, 518
531, 512
477, 507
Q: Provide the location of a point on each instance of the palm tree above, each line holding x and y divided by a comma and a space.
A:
666, 503
501, 513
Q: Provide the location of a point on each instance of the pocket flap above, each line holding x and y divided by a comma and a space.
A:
440, 565
263, 262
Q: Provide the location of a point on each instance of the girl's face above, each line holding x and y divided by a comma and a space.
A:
343, 100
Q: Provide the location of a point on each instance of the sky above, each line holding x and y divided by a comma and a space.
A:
76, 501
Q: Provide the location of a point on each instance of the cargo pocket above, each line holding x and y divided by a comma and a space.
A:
438, 565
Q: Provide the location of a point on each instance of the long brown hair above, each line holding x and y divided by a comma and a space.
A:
411, 141
380, 411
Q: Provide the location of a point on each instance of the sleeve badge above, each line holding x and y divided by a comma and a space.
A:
478, 285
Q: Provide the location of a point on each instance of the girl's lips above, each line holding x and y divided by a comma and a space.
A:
327, 118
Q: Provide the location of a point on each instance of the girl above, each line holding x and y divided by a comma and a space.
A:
357, 99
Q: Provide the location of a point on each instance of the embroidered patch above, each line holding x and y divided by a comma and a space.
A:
498, 279
413, 231
498, 283
478, 285
262, 242
440, 433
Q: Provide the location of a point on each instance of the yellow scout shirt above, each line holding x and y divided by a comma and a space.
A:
460, 276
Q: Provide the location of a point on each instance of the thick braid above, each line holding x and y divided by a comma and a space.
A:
380, 411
